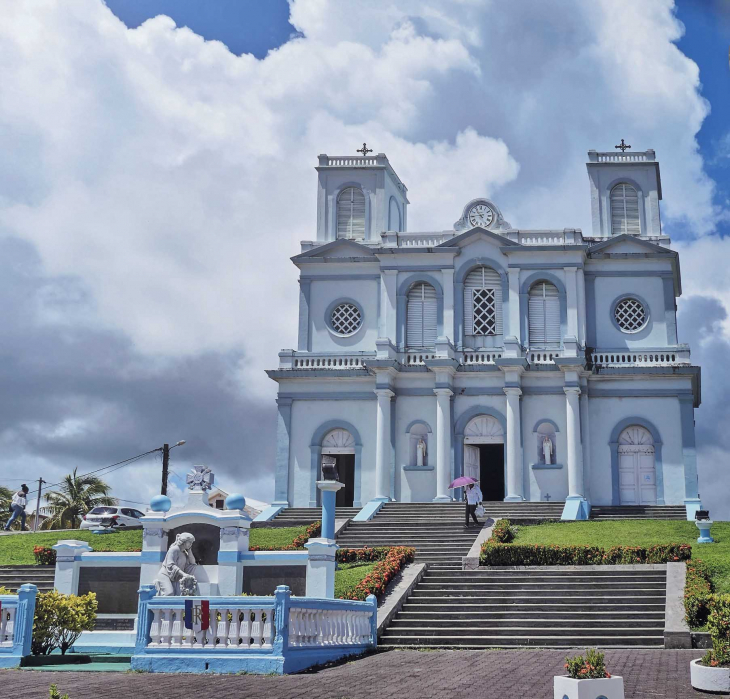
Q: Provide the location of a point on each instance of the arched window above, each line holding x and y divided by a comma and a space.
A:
544, 315
351, 213
393, 215
421, 323
483, 302
625, 210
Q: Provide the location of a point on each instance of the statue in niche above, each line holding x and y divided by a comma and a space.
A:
421, 452
177, 573
547, 449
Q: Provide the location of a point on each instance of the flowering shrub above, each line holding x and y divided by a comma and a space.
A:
312, 531
60, 619
697, 593
44, 555
376, 582
502, 532
719, 625
592, 667
495, 554
365, 555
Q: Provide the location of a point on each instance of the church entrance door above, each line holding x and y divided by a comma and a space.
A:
340, 444
484, 455
636, 467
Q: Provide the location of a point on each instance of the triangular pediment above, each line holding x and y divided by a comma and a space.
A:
473, 234
337, 248
626, 243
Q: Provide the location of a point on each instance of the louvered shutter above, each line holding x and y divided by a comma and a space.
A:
625, 210
351, 213
483, 302
421, 322
544, 315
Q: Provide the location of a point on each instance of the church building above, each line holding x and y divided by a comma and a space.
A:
544, 363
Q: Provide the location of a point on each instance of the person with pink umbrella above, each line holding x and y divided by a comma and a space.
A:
474, 497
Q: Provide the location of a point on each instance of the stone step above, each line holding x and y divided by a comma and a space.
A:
566, 587
518, 592
568, 615
455, 606
563, 640
538, 627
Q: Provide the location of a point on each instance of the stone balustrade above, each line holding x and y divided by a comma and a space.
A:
7, 627
479, 357
543, 356
289, 359
16, 625
620, 358
328, 627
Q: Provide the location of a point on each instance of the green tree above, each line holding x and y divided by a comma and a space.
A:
6, 496
76, 496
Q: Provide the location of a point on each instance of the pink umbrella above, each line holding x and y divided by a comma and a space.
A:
462, 481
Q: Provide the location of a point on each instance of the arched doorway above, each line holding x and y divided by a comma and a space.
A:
341, 444
636, 467
484, 455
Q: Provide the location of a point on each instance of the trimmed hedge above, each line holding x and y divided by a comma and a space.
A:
502, 532
312, 531
496, 554
376, 582
718, 623
697, 593
365, 555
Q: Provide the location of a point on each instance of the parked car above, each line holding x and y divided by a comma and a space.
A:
112, 516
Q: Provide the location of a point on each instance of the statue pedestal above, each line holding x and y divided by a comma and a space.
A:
321, 568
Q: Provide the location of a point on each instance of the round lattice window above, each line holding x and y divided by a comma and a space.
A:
346, 319
630, 315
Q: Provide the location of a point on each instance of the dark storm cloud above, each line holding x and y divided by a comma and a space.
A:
78, 395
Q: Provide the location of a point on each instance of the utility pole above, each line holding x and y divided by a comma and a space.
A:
38, 505
165, 467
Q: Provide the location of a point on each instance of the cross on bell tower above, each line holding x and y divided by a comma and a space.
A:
623, 146
364, 150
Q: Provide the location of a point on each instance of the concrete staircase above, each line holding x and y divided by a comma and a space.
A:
297, 516
13, 577
555, 607
436, 530
614, 512
524, 512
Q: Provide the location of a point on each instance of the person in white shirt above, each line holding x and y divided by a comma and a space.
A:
473, 499
17, 507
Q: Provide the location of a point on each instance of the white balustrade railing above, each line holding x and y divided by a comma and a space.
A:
7, 627
328, 627
622, 157
230, 627
542, 356
619, 358
423, 240
350, 161
419, 358
478, 357
330, 362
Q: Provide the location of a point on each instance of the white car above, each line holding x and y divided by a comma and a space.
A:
112, 516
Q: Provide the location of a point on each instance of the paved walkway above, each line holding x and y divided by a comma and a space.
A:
522, 674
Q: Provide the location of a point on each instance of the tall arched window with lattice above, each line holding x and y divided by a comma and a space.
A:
625, 210
351, 214
482, 307
422, 317
544, 316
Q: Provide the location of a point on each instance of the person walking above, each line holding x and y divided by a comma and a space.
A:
17, 507
473, 500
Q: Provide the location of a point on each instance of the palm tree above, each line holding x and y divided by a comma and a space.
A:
77, 495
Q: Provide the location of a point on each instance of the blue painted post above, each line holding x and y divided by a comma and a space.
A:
328, 513
24, 620
282, 599
144, 618
373, 600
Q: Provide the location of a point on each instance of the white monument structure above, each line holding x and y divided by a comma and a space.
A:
535, 360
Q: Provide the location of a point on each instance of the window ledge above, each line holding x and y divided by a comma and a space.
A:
418, 468
545, 467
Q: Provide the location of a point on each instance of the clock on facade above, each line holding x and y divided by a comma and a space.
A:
480, 215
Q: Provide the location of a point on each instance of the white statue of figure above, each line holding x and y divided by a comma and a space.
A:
547, 449
177, 573
421, 452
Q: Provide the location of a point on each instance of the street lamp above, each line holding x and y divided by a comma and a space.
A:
165, 449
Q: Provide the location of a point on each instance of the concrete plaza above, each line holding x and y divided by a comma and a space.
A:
407, 674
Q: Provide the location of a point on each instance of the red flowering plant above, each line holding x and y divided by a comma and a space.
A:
376, 581
44, 555
590, 667
718, 623
697, 593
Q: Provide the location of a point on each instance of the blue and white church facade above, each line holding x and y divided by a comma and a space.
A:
543, 362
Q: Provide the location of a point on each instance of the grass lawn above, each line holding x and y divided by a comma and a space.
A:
18, 549
348, 575
639, 533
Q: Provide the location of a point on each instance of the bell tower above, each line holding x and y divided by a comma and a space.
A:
625, 192
358, 198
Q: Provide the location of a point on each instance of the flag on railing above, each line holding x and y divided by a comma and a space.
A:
197, 617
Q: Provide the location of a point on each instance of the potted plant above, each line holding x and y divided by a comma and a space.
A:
711, 672
587, 678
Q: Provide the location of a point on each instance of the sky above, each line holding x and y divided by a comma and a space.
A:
158, 172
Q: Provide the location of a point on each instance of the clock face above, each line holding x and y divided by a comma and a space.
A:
481, 215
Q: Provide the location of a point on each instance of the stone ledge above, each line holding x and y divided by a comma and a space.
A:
471, 560
401, 588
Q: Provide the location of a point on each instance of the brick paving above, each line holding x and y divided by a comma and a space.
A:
519, 674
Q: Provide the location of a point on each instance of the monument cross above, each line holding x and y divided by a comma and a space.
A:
364, 150
623, 146
547, 497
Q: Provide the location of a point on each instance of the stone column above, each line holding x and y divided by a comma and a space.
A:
447, 279
575, 457
515, 329
571, 292
323, 550
68, 562
329, 498
514, 462
382, 445
443, 444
